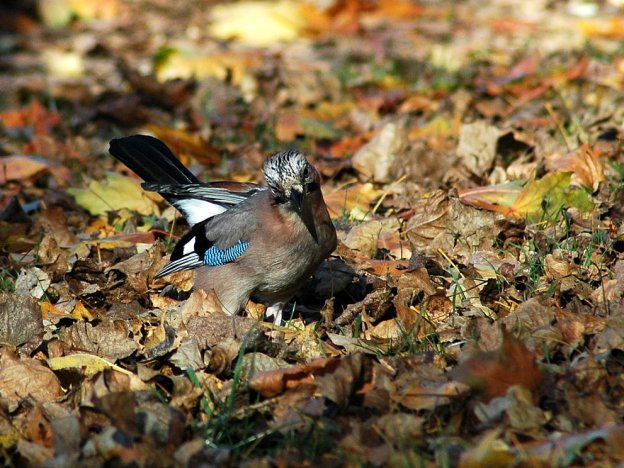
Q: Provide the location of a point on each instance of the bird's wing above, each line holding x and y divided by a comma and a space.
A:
216, 241
151, 159
198, 202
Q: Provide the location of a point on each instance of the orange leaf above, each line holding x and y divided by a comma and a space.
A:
47, 309
34, 115
274, 382
492, 373
585, 165
183, 143
494, 198
20, 167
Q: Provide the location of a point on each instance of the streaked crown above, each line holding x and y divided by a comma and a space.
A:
286, 171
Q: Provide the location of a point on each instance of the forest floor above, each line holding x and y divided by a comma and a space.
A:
472, 162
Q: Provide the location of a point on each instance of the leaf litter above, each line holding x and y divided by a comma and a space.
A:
472, 165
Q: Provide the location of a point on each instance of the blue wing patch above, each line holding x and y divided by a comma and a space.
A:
215, 256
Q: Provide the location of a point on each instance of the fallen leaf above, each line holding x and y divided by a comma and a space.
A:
494, 197
341, 383
20, 167
20, 318
366, 237
108, 338
274, 382
489, 451
21, 378
64, 64
33, 117
539, 197
352, 202
90, 364
607, 27
216, 327
32, 282
477, 146
100, 10
386, 331
379, 160
115, 193
418, 397
400, 428
493, 372
585, 165
531, 199
184, 144
259, 24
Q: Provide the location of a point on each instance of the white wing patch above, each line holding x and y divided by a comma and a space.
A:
189, 246
195, 211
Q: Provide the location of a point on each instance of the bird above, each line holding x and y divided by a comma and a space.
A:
245, 240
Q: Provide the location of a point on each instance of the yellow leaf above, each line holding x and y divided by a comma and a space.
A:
102, 9
64, 64
258, 24
90, 363
607, 27
352, 201
81, 313
115, 193
48, 308
535, 192
9, 439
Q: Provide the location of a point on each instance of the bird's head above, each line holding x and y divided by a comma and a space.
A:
291, 180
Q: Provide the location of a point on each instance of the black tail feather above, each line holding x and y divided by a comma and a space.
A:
151, 159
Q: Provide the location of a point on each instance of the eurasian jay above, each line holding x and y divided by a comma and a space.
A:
246, 240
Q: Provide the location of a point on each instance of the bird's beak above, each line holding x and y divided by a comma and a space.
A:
305, 211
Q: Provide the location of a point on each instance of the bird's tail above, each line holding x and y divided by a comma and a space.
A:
151, 159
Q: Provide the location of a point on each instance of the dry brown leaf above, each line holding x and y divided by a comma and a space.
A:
493, 372
419, 397
585, 165
522, 412
25, 377
488, 452
20, 318
212, 329
288, 126
341, 383
477, 146
371, 235
379, 159
386, 331
20, 167
108, 338
528, 317
574, 326
353, 201
37, 427
185, 144
274, 382
400, 428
